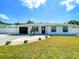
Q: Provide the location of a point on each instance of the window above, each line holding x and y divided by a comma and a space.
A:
65, 29
53, 29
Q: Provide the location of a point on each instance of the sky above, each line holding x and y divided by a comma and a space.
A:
46, 11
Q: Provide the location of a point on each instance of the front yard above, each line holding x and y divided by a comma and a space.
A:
55, 47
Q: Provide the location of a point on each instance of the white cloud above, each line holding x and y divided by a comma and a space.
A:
70, 4
33, 3
53, 21
56, 22
77, 1
3, 16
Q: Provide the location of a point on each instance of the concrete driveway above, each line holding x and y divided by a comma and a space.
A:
19, 39
5, 37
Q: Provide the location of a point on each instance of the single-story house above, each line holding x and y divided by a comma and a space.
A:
42, 28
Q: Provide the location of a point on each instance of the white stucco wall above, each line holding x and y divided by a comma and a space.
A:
74, 29
13, 30
3, 30
59, 29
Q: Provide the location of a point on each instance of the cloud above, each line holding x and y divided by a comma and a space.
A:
56, 22
70, 4
3, 16
33, 3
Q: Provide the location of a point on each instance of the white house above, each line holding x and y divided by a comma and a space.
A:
42, 28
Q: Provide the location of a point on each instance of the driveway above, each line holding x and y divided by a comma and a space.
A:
4, 38
18, 39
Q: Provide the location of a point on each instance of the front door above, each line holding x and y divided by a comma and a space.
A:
43, 29
23, 30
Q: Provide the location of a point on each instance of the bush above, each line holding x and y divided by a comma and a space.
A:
25, 41
39, 38
46, 37
7, 42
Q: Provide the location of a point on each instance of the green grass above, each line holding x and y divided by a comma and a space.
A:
56, 47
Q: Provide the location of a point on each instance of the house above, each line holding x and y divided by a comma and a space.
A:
42, 28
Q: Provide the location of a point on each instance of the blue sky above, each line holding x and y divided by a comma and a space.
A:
52, 11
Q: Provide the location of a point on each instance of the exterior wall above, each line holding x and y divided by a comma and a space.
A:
74, 29
13, 30
59, 29
29, 29
3, 31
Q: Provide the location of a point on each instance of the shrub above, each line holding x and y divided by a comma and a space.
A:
7, 42
46, 37
25, 41
39, 38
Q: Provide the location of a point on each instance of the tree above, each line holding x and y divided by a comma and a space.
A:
17, 23
73, 22
30, 22
1, 22
34, 29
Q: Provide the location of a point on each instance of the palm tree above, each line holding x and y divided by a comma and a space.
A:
33, 30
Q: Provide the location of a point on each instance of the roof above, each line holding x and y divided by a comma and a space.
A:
43, 24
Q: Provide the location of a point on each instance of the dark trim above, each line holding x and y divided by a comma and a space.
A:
43, 30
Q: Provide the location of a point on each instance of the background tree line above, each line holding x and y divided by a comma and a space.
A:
31, 22
73, 22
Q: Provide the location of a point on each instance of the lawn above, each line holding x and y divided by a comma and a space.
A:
55, 47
